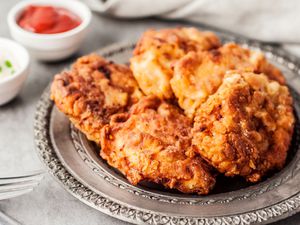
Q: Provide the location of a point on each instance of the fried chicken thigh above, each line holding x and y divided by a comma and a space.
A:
157, 50
153, 142
245, 128
191, 107
92, 91
198, 75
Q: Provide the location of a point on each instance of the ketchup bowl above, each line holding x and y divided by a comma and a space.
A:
58, 43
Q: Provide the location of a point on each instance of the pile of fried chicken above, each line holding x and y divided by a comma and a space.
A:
187, 109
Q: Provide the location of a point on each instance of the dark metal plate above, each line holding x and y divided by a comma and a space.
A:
74, 162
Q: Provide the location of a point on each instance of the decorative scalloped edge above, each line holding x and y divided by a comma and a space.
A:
106, 205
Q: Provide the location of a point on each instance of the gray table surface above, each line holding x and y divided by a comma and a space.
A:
49, 203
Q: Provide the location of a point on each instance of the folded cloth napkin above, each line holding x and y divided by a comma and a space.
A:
268, 20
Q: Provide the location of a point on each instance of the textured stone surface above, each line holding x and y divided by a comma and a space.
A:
49, 203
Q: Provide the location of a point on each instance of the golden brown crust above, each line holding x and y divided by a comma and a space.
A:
243, 121
245, 128
92, 91
156, 51
153, 143
198, 75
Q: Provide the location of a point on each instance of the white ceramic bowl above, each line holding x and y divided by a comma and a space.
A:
50, 47
11, 86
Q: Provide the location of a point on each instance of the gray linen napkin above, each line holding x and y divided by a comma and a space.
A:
266, 20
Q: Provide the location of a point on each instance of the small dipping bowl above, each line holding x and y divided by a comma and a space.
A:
11, 85
50, 47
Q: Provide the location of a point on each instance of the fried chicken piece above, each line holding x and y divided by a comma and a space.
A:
198, 75
92, 91
157, 50
153, 142
245, 128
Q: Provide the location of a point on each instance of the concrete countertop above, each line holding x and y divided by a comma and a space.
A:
49, 203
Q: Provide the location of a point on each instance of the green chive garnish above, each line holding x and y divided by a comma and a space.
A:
8, 63
0, 69
13, 71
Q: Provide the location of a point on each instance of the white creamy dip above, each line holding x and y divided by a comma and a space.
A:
8, 64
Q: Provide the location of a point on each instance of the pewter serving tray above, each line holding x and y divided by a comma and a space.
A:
74, 162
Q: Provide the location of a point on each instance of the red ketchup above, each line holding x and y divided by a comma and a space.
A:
48, 19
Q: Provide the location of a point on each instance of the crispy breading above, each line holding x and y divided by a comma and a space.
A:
245, 128
157, 50
153, 142
92, 91
236, 113
198, 75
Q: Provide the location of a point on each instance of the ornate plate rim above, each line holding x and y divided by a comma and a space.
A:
127, 213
